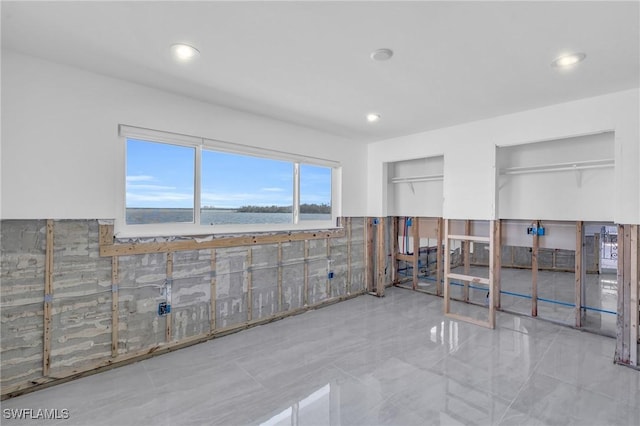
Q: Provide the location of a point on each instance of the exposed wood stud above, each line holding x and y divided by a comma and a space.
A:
349, 254
621, 308
578, 273
534, 272
280, 277
394, 250
306, 273
381, 257
497, 262
105, 235
369, 255
115, 311
48, 298
329, 268
415, 231
439, 257
493, 261
249, 284
447, 267
466, 252
213, 295
634, 271
188, 245
168, 289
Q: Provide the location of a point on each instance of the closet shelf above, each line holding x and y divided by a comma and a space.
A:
559, 167
412, 179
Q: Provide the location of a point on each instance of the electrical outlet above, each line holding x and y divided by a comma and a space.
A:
164, 308
330, 275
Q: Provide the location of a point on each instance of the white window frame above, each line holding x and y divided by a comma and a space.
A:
124, 230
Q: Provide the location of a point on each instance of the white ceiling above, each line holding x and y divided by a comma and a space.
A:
308, 62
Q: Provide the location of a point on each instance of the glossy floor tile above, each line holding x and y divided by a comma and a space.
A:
367, 361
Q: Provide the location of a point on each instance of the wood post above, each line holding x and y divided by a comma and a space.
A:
633, 294
280, 277
579, 272
447, 266
168, 289
115, 311
415, 231
381, 258
624, 293
439, 257
213, 295
394, 249
249, 284
497, 261
329, 268
369, 255
48, 298
534, 272
466, 252
306, 273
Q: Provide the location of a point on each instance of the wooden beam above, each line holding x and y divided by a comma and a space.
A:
349, 255
213, 295
188, 245
497, 262
105, 235
447, 266
469, 278
115, 311
329, 269
439, 258
534, 272
381, 258
469, 238
493, 225
466, 252
621, 308
579, 273
394, 249
280, 277
634, 270
249, 284
306, 273
415, 231
48, 298
369, 255
404, 257
168, 289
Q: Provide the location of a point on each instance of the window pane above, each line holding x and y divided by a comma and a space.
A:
160, 182
315, 192
238, 189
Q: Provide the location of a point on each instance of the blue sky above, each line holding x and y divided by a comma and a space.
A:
161, 176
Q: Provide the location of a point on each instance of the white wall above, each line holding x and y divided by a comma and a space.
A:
61, 155
470, 159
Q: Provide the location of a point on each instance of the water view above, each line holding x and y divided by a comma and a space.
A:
137, 216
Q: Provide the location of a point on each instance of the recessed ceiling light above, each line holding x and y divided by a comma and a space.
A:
184, 52
381, 54
567, 61
373, 117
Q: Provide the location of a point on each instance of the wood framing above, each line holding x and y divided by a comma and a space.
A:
394, 249
380, 258
115, 312
168, 290
306, 273
415, 231
280, 277
496, 241
490, 323
369, 255
48, 298
578, 273
212, 303
634, 271
466, 258
186, 245
349, 255
439, 257
250, 283
624, 294
534, 272
330, 268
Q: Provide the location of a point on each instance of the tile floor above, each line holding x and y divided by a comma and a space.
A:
367, 361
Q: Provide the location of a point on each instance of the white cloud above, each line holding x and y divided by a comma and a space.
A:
140, 178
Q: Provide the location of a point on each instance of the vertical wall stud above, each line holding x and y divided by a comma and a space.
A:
48, 298
115, 312
306, 272
497, 262
329, 268
439, 258
280, 277
212, 303
349, 260
534, 272
394, 249
579, 273
381, 257
493, 261
168, 289
447, 266
466, 252
634, 271
369, 255
249, 284
415, 231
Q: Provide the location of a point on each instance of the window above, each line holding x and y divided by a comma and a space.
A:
183, 185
